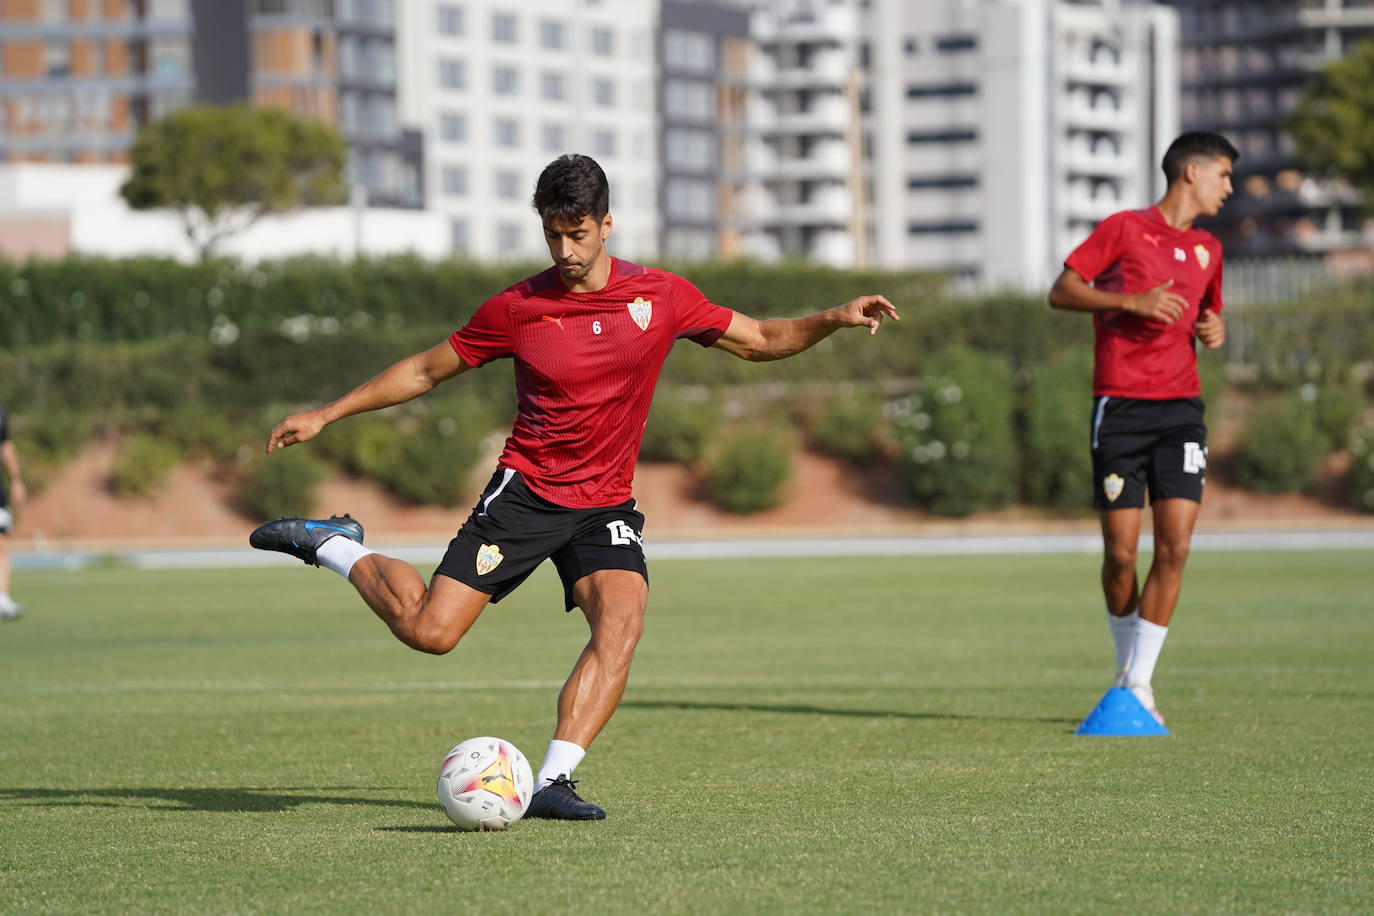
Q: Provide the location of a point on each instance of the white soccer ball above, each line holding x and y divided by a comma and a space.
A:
485, 784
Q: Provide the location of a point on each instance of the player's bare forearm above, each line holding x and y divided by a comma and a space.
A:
1074, 293
10, 455
400, 382
779, 338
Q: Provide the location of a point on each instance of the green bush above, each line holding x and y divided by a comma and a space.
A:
681, 423
1359, 479
1056, 465
1338, 408
955, 436
282, 483
142, 465
851, 425
747, 472
1281, 447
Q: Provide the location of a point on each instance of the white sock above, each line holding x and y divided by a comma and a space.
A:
1149, 639
340, 553
562, 758
1123, 636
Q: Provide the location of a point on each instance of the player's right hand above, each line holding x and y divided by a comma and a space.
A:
1157, 305
299, 427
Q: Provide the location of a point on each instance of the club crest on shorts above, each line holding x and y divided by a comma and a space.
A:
1112, 485
1204, 257
488, 558
642, 311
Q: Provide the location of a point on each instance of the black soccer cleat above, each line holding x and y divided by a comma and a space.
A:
301, 537
558, 801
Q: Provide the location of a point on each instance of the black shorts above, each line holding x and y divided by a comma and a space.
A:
6, 517
1154, 446
511, 531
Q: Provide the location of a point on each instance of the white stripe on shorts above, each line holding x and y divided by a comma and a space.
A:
1097, 418
510, 472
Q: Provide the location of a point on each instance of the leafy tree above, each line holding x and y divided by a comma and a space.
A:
1333, 125
222, 169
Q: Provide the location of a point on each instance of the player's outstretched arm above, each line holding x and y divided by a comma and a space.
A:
779, 338
1074, 293
404, 381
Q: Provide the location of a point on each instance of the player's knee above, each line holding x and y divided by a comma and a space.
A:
1171, 554
433, 640
1120, 556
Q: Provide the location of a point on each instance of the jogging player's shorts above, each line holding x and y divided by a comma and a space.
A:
6, 517
511, 531
1138, 446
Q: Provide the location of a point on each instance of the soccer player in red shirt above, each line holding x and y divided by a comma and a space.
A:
1153, 284
588, 337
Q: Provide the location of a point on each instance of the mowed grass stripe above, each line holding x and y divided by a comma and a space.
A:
867, 734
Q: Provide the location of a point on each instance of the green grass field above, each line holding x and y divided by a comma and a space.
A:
883, 735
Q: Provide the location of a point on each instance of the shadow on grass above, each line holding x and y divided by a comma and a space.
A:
800, 709
269, 800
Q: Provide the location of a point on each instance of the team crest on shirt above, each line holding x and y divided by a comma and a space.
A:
1204, 257
488, 558
642, 311
1112, 485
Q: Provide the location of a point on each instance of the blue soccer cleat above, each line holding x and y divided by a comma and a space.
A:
301, 537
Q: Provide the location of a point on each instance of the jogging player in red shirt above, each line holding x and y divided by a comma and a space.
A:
1153, 284
588, 337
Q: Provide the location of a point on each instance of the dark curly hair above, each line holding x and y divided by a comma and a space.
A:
571, 188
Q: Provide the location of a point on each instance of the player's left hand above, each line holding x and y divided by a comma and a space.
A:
19, 494
866, 312
1210, 329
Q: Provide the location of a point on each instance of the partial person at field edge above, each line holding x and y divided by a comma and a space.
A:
15, 492
1152, 282
588, 337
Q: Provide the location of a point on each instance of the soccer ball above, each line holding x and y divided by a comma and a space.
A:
485, 784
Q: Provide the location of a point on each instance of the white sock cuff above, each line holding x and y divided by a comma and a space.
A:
560, 760
1122, 621
1147, 629
340, 553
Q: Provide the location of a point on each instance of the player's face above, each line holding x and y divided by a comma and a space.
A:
576, 247
1213, 184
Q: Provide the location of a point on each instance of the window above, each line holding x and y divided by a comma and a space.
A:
555, 138
57, 58
508, 240
553, 33
691, 199
926, 182
458, 234
453, 127
690, 149
552, 87
507, 186
603, 143
953, 135
503, 28
953, 44
603, 41
689, 100
451, 73
505, 81
507, 133
694, 52
941, 90
450, 20
910, 47
454, 180
949, 227
603, 93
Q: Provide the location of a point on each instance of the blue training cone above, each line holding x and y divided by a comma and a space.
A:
1120, 714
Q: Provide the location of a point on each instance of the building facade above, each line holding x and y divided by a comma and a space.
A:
78, 78
1001, 132
500, 88
1244, 66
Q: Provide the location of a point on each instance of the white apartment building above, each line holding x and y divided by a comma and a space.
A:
1002, 131
501, 87
806, 195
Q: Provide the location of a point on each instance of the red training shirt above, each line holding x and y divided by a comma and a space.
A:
1133, 252
585, 369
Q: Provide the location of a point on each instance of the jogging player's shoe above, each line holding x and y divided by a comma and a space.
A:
558, 801
1146, 695
9, 608
301, 537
